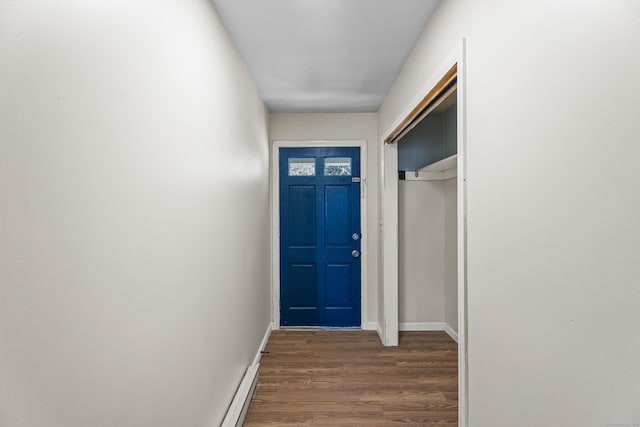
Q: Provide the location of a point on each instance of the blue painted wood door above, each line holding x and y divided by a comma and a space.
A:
320, 236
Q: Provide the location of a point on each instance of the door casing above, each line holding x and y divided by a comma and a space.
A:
275, 221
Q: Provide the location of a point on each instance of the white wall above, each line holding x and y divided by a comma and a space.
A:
552, 137
451, 253
427, 253
421, 255
342, 126
134, 274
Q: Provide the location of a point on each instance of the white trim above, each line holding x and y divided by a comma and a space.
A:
463, 366
275, 220
263, 344
390, 244
389, 167
428, 326
242, 399
379, 330
449, 330
421, 326
370, 326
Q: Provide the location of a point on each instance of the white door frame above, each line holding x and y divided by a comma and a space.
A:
275, 220
390, 223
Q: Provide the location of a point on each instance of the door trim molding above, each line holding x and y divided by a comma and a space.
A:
275, 220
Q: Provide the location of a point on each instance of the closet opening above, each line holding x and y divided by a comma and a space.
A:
424, 227
427, 219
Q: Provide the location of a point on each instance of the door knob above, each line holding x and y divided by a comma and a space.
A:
355, 253
355, 236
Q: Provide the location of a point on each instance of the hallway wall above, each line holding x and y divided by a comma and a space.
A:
342, 126
552, 151
134, 255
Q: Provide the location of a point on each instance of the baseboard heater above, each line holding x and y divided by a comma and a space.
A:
241, 401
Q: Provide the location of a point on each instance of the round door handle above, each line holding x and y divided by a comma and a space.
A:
355, 253
355, 236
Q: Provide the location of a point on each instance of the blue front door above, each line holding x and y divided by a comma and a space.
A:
320, 236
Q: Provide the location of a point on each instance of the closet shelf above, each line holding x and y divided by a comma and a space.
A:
438, 171
445, 164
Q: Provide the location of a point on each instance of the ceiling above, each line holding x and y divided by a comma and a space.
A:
324, 55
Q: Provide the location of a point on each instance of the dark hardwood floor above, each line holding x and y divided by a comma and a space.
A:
347, 378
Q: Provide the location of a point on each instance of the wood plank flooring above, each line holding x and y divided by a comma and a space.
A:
347, 378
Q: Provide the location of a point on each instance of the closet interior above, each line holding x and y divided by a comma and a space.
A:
427, 218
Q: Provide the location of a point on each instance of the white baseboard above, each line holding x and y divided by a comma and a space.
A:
373, 326
263, 344
421, 326
369, 326
449, 330
429, 326
242, 399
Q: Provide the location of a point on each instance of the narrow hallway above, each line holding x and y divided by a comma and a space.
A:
320, 377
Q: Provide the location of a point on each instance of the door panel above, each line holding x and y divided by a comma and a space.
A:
319, 217
302, 215
338, 215
337, 286
302, 286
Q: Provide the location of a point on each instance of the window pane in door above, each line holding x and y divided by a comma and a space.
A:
340, 166
302, 166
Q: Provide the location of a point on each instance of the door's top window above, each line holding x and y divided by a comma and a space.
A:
339, 166
302, 166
